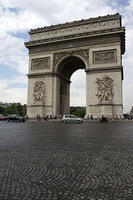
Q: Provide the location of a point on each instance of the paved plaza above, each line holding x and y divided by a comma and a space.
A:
55, 161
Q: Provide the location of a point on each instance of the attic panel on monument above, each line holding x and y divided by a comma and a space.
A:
83, 26
110, 24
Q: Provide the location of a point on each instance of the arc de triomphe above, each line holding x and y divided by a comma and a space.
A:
56, 52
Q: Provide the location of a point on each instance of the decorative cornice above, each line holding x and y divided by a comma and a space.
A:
40, 105
120, 31
42, 74
76, 23
75, 36
106, 104
51, 74
102, 69
75, 44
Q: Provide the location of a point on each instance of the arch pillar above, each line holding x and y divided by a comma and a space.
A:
61, 102
104, 97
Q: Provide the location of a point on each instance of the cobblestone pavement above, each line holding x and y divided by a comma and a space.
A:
55, 161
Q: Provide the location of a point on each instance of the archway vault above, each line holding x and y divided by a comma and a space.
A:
66, 66
56, 52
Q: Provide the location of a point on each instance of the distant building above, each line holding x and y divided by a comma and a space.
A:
4, 105
131, 112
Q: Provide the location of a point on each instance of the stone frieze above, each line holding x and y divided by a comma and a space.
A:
89, 27
106, 56
75, 23
40, 63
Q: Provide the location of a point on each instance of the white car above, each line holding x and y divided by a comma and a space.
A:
71, 119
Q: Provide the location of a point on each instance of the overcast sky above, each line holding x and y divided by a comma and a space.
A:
17, 17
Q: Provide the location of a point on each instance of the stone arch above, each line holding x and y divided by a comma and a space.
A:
95, 45
65, 67
64, 56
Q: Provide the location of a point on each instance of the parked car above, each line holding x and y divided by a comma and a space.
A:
71, 119
2, 117
15, 118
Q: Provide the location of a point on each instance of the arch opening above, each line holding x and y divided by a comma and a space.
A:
69, 65
66, 69
78, 89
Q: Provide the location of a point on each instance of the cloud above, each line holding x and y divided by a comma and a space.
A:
128, 71
13, 53
13, 94
130, 6
40, 13
78, 88
6, 83
127, 58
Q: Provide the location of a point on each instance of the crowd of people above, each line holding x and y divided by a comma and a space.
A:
48, 117
90, 117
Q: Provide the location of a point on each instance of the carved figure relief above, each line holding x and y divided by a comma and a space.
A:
105, 88
84, 53
39, 92
57, 56
101, 57
40, 63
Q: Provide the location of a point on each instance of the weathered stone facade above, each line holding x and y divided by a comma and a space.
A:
55, 52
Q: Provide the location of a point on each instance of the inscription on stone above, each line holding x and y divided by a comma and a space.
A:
107, 56
40, 63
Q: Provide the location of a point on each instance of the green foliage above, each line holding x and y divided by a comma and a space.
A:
14, 108
78, 111
2, 110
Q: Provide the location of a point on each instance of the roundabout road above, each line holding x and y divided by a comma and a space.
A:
56, 161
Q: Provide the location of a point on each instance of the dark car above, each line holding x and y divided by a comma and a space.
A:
15, 118
2, 117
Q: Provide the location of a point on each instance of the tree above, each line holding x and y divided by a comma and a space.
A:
2, 110
15, 108
78, 111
